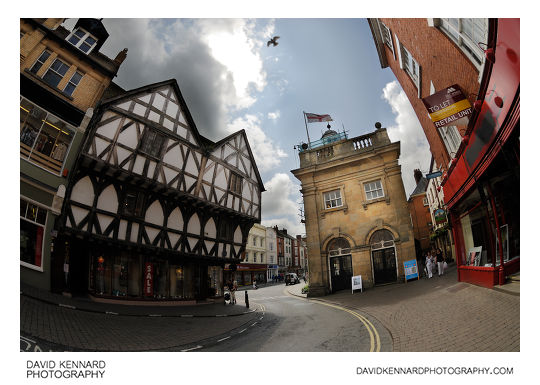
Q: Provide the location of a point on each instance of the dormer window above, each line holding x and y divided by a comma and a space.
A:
82, 40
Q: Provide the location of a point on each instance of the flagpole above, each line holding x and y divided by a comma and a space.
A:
307, 132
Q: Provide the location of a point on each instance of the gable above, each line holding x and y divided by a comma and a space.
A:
234, 151
161, 106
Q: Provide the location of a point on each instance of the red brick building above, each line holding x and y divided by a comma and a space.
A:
479, 152
420, 214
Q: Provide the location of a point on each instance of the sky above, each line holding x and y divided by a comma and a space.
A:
232, 80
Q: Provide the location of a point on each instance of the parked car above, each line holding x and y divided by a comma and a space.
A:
291, 279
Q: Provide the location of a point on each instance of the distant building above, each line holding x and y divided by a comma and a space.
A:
271, 253
420, 215
253, 266
357, 221
62, 78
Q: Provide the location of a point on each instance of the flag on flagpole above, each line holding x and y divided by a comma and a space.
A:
314, 118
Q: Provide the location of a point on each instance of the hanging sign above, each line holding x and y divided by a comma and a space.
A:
148, 279
447, 105
411, 269
440, 216
433, 175
356, 283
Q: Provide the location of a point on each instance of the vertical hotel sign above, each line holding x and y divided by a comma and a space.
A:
447, 105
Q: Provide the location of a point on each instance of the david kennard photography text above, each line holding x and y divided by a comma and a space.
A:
65, 369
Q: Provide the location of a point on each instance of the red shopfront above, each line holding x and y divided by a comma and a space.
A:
482, 184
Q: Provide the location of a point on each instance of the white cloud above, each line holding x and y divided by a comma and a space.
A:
280, 204
407, 129
274, 115
266, 153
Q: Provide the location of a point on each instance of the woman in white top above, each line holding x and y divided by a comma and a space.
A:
429, 264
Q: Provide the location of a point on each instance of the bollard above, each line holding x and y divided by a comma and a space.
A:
247, 299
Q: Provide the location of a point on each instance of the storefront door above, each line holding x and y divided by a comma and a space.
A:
384, 265
341, 272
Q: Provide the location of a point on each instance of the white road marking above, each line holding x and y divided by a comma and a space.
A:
223, 339
196, 347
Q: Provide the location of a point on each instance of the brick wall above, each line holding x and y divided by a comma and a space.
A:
441, 62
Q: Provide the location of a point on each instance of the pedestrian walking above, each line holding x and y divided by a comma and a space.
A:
429, 264
233, 292
440, 262
254, 283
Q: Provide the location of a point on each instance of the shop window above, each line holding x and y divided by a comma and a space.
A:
373, 190
32, 225
332, 199
44, 138
215, 281
83, 40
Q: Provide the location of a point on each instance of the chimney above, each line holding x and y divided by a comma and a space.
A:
121, 56
417, 175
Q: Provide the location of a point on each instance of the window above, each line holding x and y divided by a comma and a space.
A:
425, 201
133, 203
32, 225
55, 73
467, 33
82, 40
374, 190
151, 143
73, 82
386, 36
332, 199
410, 65
235, 184
40, 61
254, 241
44, 138
451, 139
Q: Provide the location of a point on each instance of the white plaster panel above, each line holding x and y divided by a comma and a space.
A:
154, 214
78, 214
122, 229
108, 200
169, 174
151, 169
159, 102
210, 229
145, 98
154, 117
191, 166
109, 130
104, 221
173, 237
100, 146
134, 232
83, 192
122, 154
172, 109
221, 180
174, 157
189, 181
209, 245
168, 124
139, 164
192, 242
151, 232
139, 109
128, 137
237, 235
125, 105
228, 150
194, 225
182, 131
176, 220
209, 172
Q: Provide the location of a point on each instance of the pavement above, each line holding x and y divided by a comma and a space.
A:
82, 324
439, 314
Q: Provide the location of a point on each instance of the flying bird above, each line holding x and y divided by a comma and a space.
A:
273, 41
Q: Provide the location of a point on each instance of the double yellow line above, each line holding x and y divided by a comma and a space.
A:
375, 340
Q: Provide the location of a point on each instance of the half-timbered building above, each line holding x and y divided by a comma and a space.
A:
155, 210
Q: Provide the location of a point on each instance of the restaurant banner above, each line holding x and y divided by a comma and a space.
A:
447, 105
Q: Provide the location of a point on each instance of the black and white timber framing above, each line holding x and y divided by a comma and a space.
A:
146, 179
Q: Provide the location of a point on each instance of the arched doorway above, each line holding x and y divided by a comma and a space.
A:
339, 254
383, 255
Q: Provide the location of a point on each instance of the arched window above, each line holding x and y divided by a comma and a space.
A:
381, 239
339, 246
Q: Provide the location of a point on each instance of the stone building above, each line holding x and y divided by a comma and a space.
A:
357, 220
420, 214
62, 77
254, 263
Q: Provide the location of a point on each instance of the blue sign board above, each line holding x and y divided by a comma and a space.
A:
434, 175
411, 269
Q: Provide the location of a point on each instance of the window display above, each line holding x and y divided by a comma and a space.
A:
32, 225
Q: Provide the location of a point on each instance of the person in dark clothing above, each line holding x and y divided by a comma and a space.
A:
440, 262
